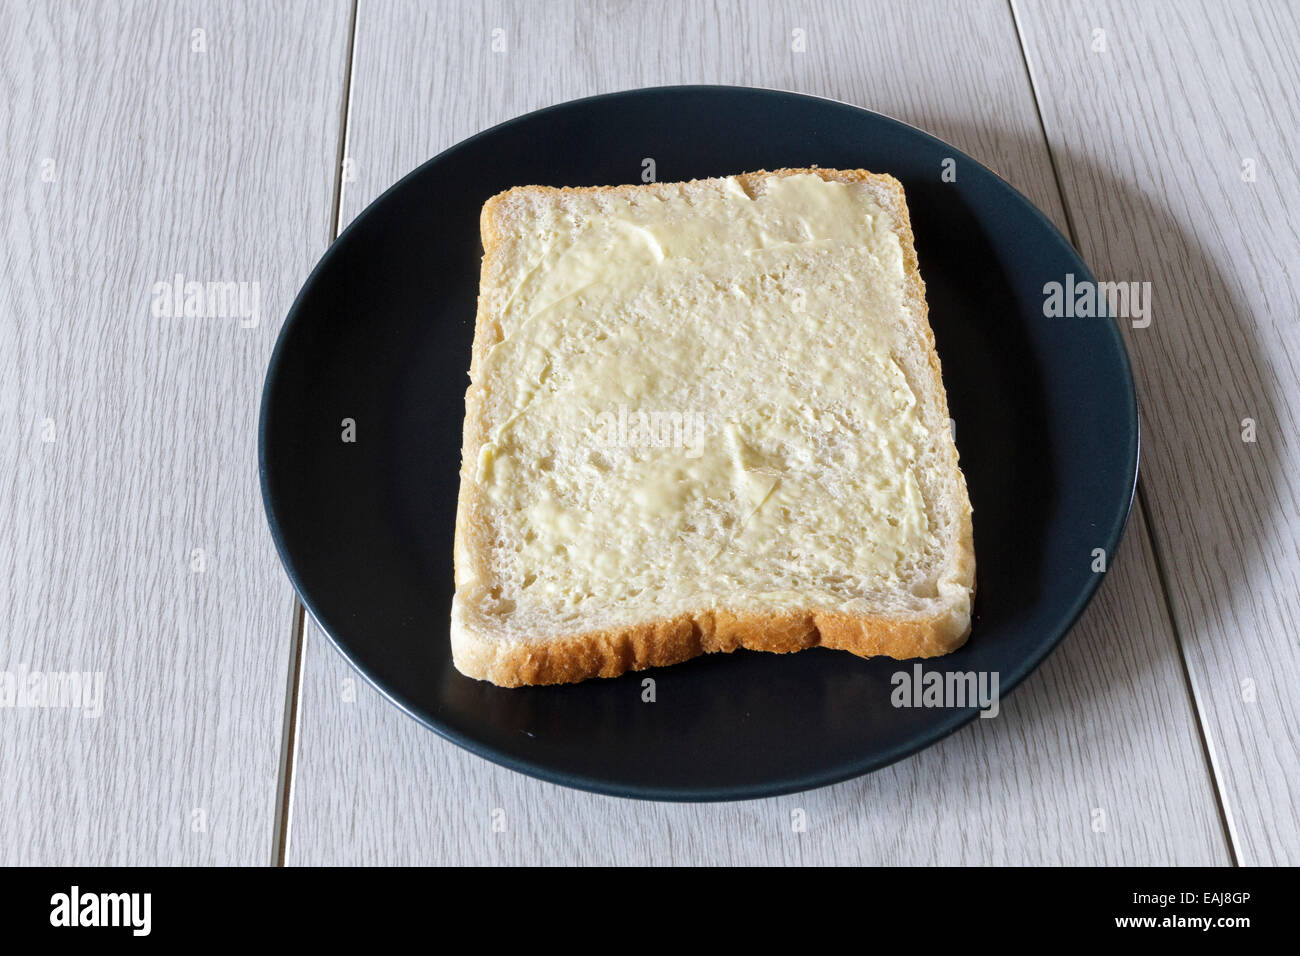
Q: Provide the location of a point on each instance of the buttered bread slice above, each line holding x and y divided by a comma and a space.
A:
704, 416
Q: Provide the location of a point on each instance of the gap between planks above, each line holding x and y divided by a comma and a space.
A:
293, 696
1157, 552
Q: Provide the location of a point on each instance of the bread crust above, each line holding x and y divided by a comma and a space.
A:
657, 643
671, 641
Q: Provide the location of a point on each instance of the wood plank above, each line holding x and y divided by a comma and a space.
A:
135, 150
372, 786
1152, 137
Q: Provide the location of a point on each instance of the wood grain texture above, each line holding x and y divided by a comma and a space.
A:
1151, 136
1095, 759
130, 157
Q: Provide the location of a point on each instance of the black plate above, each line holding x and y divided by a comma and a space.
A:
1046, 421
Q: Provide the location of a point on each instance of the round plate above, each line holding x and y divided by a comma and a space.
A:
1046, 424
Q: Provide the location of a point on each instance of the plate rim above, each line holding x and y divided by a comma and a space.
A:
840, 772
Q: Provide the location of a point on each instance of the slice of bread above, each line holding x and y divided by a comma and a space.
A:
704, 416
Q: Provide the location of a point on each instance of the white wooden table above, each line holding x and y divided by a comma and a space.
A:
225, 141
